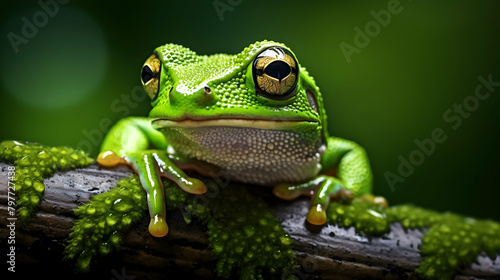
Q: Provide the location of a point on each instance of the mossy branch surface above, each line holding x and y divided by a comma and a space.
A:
243, 234
33, 163
104, 220
247, 240
450, 242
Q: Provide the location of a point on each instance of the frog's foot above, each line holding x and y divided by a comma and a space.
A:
321, 190
375, 200
150, 165
203, 168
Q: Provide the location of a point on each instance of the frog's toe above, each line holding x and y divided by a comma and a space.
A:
110, 159
321, 200
376, 200
175, 174
191, 185
343, 195
328, 188
316, 215
321, 190
382, 201
289, 192
158, 226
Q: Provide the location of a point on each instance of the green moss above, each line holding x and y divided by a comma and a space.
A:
103, 221
414, 217
34, 162
245, 237
248, 243
451, 241
367, 219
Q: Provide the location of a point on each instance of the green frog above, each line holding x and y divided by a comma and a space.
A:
256, 116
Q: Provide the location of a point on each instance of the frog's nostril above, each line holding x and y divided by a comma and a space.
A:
203, 95
206, 96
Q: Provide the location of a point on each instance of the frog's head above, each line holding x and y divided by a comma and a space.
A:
263, 87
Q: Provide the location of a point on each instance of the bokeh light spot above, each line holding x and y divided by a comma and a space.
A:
60, 64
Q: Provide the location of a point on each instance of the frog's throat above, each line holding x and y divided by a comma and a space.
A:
246, 123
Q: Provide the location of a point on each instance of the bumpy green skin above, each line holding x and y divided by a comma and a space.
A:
33, 163
103, 221
210, 110
233, 88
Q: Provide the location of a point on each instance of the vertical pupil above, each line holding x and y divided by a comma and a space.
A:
277, 69
147, 74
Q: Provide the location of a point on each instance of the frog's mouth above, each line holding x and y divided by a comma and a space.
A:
242, 123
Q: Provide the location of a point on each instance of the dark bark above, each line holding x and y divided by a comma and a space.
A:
322, 252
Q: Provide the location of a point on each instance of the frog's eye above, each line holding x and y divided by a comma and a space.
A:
275, 73
150, 76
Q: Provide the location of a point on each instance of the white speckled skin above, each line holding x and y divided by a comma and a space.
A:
256, 156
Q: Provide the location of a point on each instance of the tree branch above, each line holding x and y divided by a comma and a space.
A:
326, 252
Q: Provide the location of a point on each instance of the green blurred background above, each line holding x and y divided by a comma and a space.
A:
67, 74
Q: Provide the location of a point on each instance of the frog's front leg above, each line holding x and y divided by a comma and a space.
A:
353, 178
321, 189
128, 143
